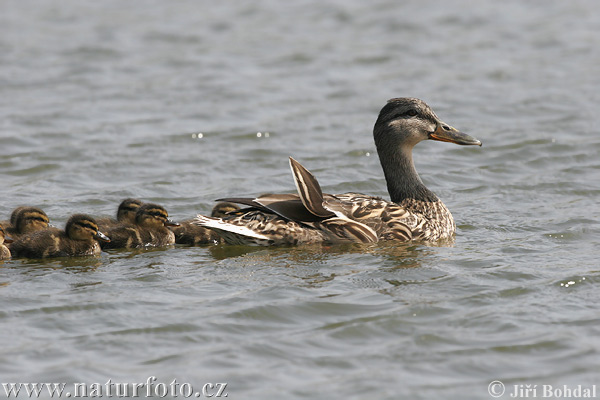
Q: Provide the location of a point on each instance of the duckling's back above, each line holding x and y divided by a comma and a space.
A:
189, 233
52, 242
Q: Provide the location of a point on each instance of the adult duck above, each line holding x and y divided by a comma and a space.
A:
414, 212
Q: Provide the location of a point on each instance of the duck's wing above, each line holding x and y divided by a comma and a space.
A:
389, 220
288, 206
304, 207
309, 190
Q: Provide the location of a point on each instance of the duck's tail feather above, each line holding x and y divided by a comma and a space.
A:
233, 234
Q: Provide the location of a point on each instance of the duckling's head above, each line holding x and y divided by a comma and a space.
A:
29, 219
153, 216
3, 237
220, 210
14, 214
84, 227
127, 210
406, 121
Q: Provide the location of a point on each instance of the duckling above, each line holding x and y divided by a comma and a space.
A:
190, 233
26, 220
223, 209
125, 214
4, 251
80, 238
149, 229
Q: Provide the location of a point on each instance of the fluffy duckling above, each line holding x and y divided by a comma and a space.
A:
125, 215
80, 238
26, 220
192, 234
223, 209
149, 229
4, 251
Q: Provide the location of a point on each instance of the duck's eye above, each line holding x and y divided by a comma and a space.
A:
411, 113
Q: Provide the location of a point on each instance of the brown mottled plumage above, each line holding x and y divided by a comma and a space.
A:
26, 220
149, 230
188, 232
80, 238
4, 251
414, 212
125, 215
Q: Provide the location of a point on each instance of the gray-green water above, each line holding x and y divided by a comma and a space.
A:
102, 100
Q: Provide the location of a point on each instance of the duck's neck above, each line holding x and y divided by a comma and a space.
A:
402, 179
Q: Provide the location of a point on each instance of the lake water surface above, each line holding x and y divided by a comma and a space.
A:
183, 102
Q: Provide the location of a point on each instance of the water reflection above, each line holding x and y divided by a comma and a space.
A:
70, 264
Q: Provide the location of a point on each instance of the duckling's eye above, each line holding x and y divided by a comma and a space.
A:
88, 226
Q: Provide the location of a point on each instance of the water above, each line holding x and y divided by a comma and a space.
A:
105, 100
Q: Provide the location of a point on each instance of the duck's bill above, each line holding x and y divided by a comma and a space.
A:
171, 223
102, 237
446, 133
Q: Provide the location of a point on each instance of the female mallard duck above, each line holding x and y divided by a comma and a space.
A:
125, 214
80, 238
188, 232
415, 212
4, 252
149, 229
25, 220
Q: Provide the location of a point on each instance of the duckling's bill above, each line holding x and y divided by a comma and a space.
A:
170, 222
447, 133
102, 237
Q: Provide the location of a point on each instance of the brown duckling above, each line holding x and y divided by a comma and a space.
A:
190, 233
4, 251
149, 229
80, 238
26, 220
125, 215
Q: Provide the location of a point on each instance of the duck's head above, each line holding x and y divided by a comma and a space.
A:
29, 219
153, 216
127, 210
3, 237
84, 227
221, 209
407, 121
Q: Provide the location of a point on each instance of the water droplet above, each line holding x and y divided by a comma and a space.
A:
258, 134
